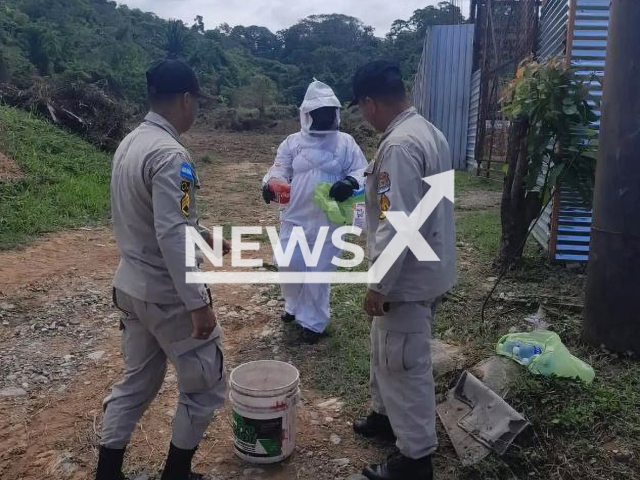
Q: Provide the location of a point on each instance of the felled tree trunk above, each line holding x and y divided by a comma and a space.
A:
519, 207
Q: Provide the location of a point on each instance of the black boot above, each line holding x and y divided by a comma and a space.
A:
287, 318
178, 464
374, 425
110, 464
311, 337
399, 467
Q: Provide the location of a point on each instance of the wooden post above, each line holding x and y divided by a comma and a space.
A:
612, 316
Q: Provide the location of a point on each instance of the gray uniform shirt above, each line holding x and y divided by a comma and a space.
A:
153, 187
411, 149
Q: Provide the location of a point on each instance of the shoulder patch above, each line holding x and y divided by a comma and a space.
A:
185, 201
187, 172
384, 183
385, 204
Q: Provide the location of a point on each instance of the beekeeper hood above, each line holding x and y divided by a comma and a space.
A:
318, 95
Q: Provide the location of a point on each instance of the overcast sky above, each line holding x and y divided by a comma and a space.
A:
278, 14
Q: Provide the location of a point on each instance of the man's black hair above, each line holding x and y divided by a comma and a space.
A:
169, 77
380, 80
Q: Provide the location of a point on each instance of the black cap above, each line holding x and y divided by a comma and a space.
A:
377, 78
170, 76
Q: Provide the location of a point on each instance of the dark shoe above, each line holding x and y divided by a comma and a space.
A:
374, 425
287, 318
399, 467
178, 464
311, 337
110, 464
198, 476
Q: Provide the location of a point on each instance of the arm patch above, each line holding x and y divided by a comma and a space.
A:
185, 201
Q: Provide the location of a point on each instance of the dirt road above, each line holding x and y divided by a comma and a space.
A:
59, 345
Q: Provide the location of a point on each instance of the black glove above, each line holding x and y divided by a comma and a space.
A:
267, 194
343, 189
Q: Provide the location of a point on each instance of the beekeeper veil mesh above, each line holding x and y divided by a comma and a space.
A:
318, 95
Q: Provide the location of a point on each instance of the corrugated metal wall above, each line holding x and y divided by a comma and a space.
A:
554, 21
442, 86
589, 44
587, 53
474, 110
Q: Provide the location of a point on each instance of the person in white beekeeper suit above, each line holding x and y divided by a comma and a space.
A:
319, 153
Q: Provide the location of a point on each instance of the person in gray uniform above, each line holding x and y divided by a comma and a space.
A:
153, 200
403, 304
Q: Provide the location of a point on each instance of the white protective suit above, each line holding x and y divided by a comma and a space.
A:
306, 159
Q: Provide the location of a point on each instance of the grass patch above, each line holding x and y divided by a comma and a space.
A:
344, 368
480, 229
469, 181
578, 431
66, 180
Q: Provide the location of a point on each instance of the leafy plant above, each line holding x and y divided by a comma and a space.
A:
177, 38
551, 142
560, 139
260, 93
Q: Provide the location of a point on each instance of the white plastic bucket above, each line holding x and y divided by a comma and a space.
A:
264, 396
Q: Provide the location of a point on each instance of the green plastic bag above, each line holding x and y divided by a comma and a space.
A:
338, 212
543, 353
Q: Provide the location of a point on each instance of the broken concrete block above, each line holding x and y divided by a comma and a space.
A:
497, 373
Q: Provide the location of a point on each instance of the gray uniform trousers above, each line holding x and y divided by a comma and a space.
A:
402, 385
152, 333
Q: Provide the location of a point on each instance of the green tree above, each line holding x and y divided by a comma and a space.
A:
177, 38
260, 93
550, 143
330, 48
257, 40
405, 40
444, 14
264, 92
44, 47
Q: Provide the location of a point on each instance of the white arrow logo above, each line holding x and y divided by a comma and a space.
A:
407, 236
408, 228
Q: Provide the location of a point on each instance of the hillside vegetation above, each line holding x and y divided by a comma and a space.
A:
64, 180
100, 42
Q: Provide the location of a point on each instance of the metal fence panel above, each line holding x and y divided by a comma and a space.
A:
443, 85
554, 21
587, 53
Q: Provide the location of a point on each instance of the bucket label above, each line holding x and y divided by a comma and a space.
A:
258, 438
